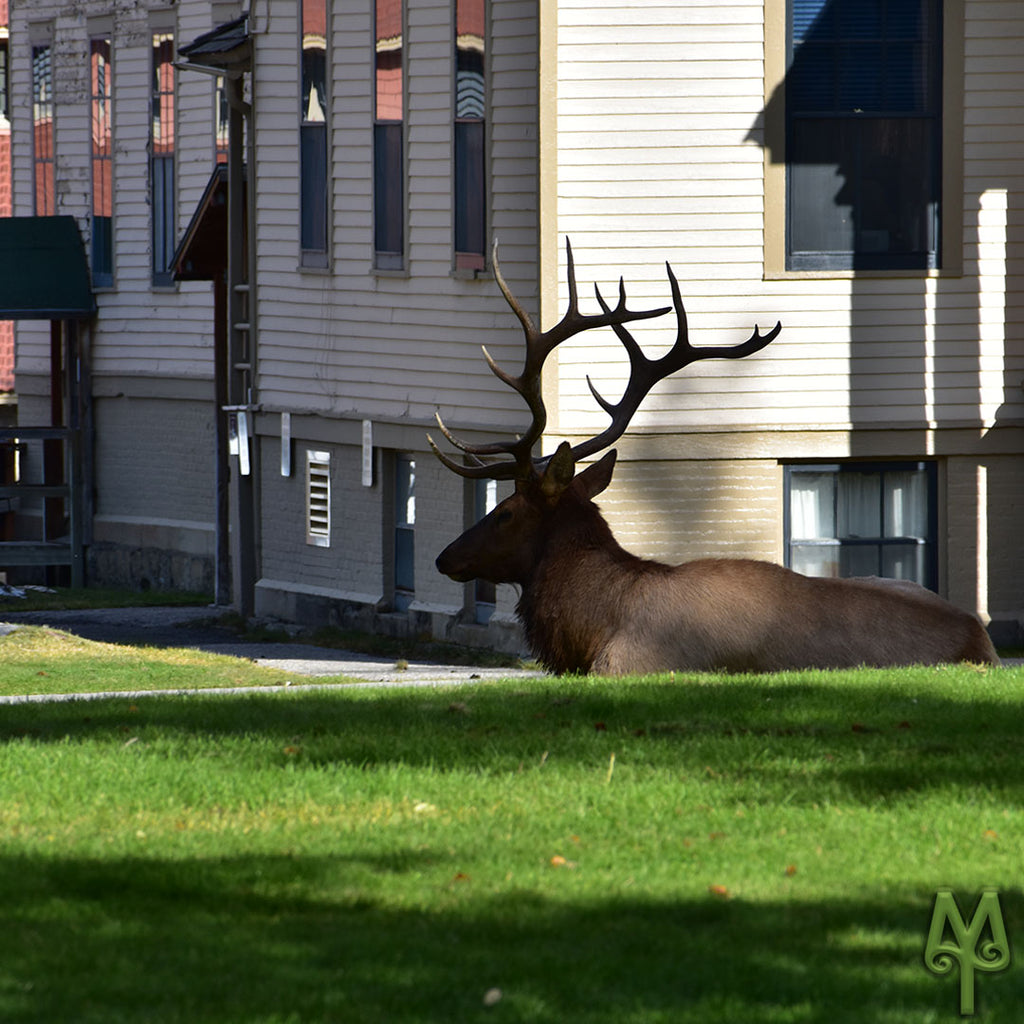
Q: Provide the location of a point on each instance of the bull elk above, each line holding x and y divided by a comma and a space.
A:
587, 605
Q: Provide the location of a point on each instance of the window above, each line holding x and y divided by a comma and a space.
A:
485, 497
863, 520
318, 499
42, 131
221, 129
100, 73
470, 134
388, 128
405, 523
863, 134
313, 135
162, 158
5, 113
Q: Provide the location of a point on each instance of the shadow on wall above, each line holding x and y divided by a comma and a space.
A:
861, 128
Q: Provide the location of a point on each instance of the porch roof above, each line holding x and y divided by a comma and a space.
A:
43, 270
225, 49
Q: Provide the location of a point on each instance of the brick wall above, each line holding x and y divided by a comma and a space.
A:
681, 510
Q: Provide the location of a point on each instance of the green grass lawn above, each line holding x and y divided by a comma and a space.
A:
713, 849
37, 659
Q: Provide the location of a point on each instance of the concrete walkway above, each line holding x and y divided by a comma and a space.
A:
196, 628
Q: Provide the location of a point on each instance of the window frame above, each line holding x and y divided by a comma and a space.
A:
929, 543
163, 186
43, 164
101, 245
483, 499
951, 171
390, 148
404, 588
469, 131
314, 210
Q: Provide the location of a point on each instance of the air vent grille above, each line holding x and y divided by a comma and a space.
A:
318, 498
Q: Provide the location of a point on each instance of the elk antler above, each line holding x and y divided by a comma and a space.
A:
644, 374
539, 345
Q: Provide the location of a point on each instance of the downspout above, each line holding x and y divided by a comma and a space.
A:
241, 354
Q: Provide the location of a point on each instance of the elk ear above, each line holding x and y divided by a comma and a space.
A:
558, 473
594, 479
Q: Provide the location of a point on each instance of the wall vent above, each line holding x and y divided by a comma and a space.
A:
318, 498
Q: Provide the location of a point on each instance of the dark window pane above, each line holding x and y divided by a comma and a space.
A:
909, 79
813, 18
163, 218
313, 144
866, 187
470, 206
811, 82
860, 77
905, 562
861, 19
405, 577
387, 188
102, 250
859, 561
908, 19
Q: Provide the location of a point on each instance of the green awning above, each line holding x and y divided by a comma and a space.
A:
43, 272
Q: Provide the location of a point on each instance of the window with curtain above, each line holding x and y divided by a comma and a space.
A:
101, 85
470, 193
313, 134
863, 134
388, 131
162, 178
42, 131
862, 519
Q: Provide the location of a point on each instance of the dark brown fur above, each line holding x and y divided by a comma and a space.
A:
588, 605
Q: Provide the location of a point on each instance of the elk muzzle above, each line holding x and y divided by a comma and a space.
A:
452, 564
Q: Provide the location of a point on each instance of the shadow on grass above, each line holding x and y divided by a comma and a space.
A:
865, 741
234, 940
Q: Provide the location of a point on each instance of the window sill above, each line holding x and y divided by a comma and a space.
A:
921, 274
469, 273
313, 259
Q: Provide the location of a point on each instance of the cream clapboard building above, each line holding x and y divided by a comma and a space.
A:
851, 168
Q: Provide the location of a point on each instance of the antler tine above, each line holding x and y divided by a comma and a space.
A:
474, 450
480, 471
754, 343
644, 373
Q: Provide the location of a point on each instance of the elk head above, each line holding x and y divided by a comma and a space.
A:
507, 544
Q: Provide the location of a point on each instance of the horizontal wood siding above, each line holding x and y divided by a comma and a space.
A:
350, 342
660, 158
141, 330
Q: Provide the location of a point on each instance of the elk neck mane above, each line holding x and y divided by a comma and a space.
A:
572, 603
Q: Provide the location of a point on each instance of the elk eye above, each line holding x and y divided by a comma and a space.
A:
503, 517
